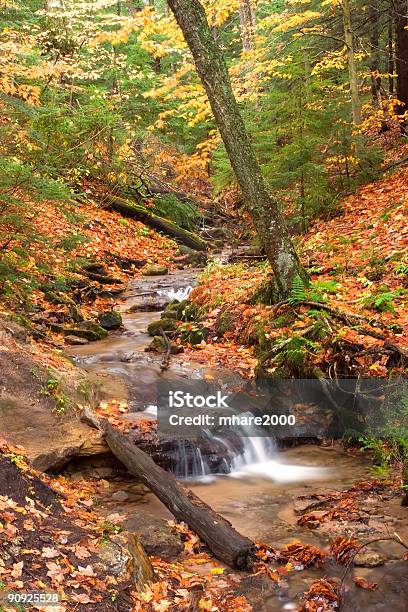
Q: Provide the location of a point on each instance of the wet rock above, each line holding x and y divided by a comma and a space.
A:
128, 357
113, 291
158, 345
148, 303
190, 257
392, 593
260, 591
120, 496
155, 270
123, 554
164, 324
87, 329
128, 262
112, 319
369, 558
155, 535
303, 504
75, 340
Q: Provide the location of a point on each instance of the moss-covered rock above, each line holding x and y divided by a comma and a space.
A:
170, 314
173, 306
155, 270
86, 329
187, 311
223, 323
194, 334
164, 324
158, 345
112, 319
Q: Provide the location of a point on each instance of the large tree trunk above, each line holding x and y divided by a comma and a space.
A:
348, 39
401, 51
267, 218
221, 538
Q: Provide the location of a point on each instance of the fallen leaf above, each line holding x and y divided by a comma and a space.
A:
364, 584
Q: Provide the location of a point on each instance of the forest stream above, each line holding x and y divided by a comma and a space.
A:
260, 493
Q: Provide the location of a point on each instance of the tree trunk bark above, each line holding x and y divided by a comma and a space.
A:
401, 52
391, 61
263, 209
375, 53
348, 38
247, 20
218, 534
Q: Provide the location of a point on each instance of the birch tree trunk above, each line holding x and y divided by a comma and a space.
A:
262, 207
348, 38
247, 20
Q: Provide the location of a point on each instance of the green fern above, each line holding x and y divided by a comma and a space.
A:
295, 351
383, 301
298, 291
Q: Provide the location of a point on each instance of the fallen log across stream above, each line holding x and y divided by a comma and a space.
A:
140, 213
216, 532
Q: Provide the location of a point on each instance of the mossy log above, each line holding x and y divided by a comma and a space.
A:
138, 212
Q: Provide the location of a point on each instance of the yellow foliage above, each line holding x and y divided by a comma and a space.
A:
333, 60
292, 22
219, 12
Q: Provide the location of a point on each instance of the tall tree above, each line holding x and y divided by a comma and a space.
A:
247, 20
375, 52
263, 208
351, 60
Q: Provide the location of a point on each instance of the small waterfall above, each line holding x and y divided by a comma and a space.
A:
255, 450
255, 456
175, 294
190, 463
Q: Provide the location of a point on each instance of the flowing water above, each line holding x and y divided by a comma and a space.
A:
123, 354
